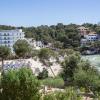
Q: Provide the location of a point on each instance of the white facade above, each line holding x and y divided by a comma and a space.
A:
92, 37
37, 44
83, 42
9, 37
89, 38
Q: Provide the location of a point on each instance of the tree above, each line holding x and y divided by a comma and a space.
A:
69, 65
87, 77
46, 56
58, 45
22, 48
43, 74
19, 84
4, 53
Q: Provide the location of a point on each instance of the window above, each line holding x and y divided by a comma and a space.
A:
8, 38
4, 38
8, 41
4, 34
91, 38
5, 42
94, 38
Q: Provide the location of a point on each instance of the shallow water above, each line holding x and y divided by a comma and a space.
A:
93, 59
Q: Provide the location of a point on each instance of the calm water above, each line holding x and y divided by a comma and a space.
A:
93, 59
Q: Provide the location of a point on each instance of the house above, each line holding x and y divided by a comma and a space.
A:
35, 44
87, 35
91, 37
83, 31
83, 42
38, 44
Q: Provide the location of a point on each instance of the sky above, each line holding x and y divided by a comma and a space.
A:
48, 12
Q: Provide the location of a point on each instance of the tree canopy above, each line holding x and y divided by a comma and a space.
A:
22, 48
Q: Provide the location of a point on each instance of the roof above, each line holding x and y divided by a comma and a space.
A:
92, 33
16, 30
82, 27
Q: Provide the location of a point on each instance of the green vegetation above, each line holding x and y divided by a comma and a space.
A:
79, 74
76, 74
67, 35
69, 94
22, 48
19, 85
43, 74
69, 66
4, 53
56, 82
45, 55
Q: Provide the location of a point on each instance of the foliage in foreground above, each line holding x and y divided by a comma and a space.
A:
79, 73
19, 85
56, 82
69, 94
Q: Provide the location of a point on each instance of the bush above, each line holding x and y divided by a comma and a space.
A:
19, 85
69, 94
43, 74
54, 82
49, 97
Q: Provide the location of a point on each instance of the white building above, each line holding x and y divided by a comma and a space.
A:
37, 44
92, 37
9, 37
83, 42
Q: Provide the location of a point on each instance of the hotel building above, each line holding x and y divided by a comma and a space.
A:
9, 37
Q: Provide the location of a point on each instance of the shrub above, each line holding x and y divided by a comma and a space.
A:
54, 82
43, 74
69, 94
49, 97
19, 85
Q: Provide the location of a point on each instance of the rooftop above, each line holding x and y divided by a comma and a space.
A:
92, 33
16, 30
82, 27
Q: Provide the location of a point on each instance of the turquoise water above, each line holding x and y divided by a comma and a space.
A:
93, 59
